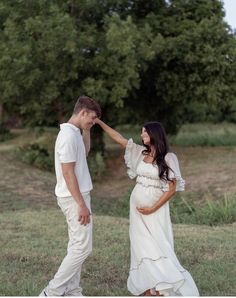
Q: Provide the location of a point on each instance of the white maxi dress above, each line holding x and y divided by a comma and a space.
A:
154, 264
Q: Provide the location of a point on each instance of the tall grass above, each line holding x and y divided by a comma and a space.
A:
211, 213
206, 134
196, 134
183, 210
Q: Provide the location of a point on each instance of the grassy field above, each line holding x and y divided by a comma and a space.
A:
34, 242
34, 237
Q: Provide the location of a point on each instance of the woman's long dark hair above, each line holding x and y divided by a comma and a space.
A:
158, 139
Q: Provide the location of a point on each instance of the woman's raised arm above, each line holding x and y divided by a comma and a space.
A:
115, 135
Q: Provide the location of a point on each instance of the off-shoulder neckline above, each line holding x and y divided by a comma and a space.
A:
168, 153
150, 163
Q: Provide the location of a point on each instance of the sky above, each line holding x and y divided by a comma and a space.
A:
230, 10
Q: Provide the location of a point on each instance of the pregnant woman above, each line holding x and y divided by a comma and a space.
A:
154, 267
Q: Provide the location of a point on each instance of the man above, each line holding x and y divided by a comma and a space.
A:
73, 195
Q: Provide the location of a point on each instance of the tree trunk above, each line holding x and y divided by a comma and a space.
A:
1, 114
97, 144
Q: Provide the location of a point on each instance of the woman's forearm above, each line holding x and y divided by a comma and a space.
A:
163, 199
166, 196
115, 135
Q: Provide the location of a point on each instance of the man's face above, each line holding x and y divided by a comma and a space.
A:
88, 118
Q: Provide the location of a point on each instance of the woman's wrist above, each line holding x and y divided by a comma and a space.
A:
156, 207
98, 121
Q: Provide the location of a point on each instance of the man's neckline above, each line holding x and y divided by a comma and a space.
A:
70, 125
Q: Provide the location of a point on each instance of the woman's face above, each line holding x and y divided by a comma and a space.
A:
145, 137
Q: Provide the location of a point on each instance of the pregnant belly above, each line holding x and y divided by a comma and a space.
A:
142, 196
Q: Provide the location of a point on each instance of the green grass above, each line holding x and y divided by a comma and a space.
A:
184, 210
206, 134
33, 235
118, 207
33, 243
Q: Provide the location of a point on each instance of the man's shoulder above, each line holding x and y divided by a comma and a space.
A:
67, 135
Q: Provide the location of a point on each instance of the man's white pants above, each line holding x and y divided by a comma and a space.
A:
67, 279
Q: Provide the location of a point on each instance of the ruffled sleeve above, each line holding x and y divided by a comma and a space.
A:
133, 155
173, 163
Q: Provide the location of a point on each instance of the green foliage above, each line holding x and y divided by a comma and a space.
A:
38, 59
39, 152
35, 154
38, 148
5, 134
96, 165
142, 60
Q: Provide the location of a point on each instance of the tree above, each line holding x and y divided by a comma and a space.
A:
39, 60
172, 61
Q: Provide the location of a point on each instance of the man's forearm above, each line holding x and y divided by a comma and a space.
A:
86, 139
73, 187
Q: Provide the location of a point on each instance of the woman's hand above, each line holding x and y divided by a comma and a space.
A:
146, 210
115, 135
162, 200
97, 121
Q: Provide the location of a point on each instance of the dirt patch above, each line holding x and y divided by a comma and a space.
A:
25, 181
116, 181
207, 170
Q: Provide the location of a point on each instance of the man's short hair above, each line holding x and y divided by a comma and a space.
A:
85, 102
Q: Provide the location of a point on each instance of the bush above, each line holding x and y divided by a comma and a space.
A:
5, 134
96, 165
36, 155
40, 153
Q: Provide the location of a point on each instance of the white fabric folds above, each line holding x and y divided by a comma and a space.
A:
153, 263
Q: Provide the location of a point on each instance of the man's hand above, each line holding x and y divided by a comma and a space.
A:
83, 215
146, 210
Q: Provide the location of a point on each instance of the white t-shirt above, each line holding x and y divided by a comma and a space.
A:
70, 147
